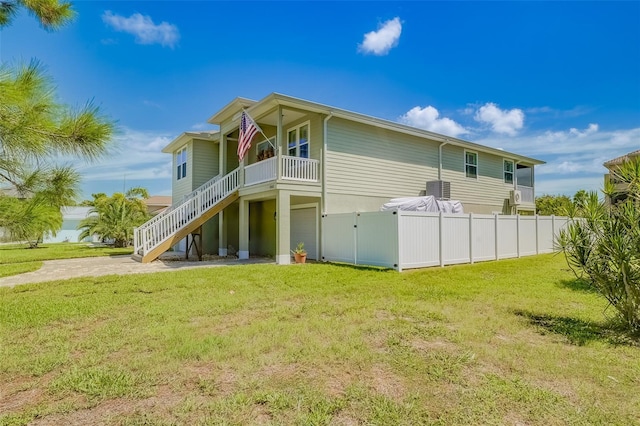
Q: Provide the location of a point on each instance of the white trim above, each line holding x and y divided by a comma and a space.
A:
316, 207
513, 171
184, 164
297, 130
243, 254
477, 165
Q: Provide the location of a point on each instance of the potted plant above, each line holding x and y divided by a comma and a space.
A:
300, 254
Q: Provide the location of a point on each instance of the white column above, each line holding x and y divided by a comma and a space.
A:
243, 232
279, 144
222, 235
283, 228
222, 226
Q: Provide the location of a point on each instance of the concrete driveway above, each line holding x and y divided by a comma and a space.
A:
53, 270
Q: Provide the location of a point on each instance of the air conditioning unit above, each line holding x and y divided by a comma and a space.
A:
439, 189
515, 198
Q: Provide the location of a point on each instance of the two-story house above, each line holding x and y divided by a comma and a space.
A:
312, 159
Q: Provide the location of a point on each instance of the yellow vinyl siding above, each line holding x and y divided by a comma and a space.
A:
181, 187
315, 134
366, 162
487, 189
204, 162
369, 161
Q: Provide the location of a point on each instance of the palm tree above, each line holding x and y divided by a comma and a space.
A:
115, 217
51, 13
603, 247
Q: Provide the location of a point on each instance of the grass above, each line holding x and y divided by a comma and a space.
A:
19, 268
18, 258
509, 342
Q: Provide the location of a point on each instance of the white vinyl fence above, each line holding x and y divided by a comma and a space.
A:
404, 240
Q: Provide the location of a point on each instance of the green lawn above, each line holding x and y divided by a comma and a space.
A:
509, 342
18, 258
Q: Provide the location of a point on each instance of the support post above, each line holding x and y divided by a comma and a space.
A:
279, 145
243, 232
195, 244
283, 227
222, 235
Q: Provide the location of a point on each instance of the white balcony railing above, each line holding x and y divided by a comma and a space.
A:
293, 168
527, 194
262, 171
301, 169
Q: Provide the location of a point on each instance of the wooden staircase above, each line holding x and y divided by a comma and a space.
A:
166, 229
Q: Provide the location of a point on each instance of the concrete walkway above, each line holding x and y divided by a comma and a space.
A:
53, 270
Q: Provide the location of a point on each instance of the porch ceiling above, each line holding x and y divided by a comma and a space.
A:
288, 117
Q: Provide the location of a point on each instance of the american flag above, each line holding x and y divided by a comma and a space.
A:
248, 129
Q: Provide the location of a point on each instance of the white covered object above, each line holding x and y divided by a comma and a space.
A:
423, 204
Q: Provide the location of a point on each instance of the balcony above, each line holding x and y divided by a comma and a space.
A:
292, 169
527, 194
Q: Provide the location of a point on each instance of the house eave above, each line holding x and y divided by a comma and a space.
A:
230, 109
263, 106
285, 100
185, 137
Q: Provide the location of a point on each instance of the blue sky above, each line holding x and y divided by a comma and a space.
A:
558, 81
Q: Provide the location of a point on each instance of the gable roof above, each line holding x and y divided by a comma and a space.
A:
256, 109
622, 159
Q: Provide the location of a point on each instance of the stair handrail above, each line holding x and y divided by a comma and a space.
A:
216, 189
187, 197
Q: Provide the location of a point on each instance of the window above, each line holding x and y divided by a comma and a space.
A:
265, 150
181, 161
508, 171
471, 164
298, 141
524, 175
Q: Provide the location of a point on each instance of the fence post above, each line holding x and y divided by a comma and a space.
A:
440, 232
518, 234
495, 215
471, 238
537, 237
398, 250
355, 238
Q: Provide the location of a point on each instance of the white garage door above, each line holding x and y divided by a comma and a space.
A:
303, 228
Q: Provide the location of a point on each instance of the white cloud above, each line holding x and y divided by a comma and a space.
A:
501, 121
137, 156
143, 28
588, 131
382, 41
427, 118
574, 157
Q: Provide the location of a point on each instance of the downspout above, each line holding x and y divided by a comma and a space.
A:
324, 162
440, 158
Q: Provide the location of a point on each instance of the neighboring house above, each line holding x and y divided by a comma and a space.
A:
318, 159
71, 218
157, 204
620, 187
